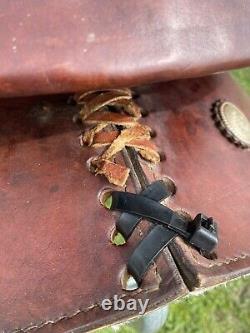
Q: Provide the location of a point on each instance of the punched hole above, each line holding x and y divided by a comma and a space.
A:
136, 95
105, 197
153, 133
81, 142
162, 156
76, 118
128, 282
117, 238
89, 164
71, 100
144, 113
169, 183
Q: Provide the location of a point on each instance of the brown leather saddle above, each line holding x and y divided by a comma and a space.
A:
75, 171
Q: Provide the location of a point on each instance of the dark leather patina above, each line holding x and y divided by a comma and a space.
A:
55, 248
210, 173
56, 260
57, 263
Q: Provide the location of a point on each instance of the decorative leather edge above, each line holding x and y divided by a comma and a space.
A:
176, 293
91, 307
199, 272
73, 314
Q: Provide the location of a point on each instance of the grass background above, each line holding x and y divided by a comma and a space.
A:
224, 309
243, 77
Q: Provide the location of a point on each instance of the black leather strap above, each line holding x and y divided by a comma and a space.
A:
201, 233
148, 249
127, 222
149, 209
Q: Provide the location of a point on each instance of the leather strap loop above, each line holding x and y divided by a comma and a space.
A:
201, 233
149, 209
148, 249
127, 222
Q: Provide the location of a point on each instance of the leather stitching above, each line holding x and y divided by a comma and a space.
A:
91, 307
213, 263
85, 310
73, 314
227, 261
216, 262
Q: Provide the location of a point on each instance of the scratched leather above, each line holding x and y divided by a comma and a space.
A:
56, 261
211, 174
65, 46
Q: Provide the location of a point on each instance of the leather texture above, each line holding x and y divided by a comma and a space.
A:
66, 46
211, 174
56, 260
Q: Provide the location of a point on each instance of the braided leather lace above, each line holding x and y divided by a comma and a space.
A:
111, 121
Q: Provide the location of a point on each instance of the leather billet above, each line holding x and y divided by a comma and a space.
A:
55, 234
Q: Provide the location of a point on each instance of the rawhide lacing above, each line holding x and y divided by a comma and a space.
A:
111, 120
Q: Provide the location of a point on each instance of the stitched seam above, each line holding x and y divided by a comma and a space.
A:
89, 308
73, 314
98, 304
218, 263
78, 311
213, 263
227, 261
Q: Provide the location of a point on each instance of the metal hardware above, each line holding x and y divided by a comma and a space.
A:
232, 123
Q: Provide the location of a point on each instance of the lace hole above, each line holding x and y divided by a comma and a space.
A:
153, 133
144, 113
162, 156
136, 95
170, 185
128, 282
105, 197
117, 238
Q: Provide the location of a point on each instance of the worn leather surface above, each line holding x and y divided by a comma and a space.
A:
56, 260
64, 46
211, 174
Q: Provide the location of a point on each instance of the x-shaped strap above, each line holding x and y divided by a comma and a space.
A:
167, 224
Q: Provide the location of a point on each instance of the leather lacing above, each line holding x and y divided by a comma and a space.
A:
111, 120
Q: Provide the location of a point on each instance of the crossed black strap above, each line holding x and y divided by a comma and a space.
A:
201, 233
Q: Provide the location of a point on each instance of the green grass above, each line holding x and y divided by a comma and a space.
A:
224, 309
243, 77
